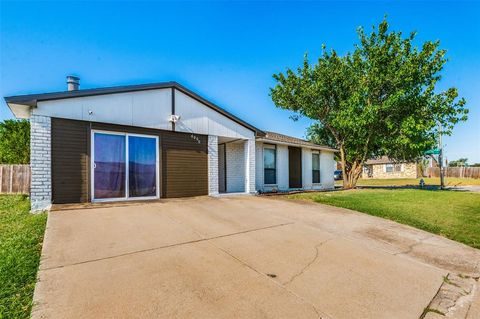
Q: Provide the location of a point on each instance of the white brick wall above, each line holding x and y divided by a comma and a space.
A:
40, 163
249, 158
212, 165
235, 167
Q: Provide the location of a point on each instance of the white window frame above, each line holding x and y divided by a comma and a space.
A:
319, 168
272, 147
393, 168
127, 187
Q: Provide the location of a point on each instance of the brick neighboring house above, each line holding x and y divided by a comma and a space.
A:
385, 168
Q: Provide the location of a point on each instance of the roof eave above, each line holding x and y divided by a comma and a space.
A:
316, 147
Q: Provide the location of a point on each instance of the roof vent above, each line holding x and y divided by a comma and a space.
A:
73, 82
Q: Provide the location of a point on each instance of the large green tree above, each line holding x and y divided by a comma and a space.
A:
379, 100
15, 142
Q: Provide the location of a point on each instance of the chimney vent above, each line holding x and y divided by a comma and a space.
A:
73, 82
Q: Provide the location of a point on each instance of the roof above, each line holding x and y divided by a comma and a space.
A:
31, 100
382, 160
289, 140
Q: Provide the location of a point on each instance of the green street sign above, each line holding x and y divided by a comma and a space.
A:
435, 151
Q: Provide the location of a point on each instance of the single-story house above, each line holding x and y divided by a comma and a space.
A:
153, 141
383, 167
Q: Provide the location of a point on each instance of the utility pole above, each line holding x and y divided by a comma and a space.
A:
440, 156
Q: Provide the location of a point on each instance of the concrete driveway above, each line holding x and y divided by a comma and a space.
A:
246, 257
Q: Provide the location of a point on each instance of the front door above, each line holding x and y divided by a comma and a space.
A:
124, 166
295, 167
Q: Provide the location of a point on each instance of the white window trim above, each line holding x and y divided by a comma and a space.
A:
127, 190
319, 167
272, 147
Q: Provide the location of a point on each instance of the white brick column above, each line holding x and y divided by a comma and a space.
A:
249, 157
40, 163
212, 165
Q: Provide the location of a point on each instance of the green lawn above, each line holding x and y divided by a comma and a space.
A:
453, 214
449, 181
21, 236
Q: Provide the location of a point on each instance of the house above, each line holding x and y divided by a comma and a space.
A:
383, 167
155, 141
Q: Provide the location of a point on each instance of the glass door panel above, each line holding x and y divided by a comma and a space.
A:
142, 166
109, 166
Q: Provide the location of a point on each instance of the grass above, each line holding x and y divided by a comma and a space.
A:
453, 214
449, 181
21, 236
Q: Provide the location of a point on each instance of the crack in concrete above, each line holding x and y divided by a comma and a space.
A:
410, 247
309, 263
455, 292
319, 313
201, 239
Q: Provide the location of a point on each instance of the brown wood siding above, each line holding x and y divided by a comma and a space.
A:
70, 161
184, 165
185, 173
183, 160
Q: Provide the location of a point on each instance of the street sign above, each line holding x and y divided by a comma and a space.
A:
435, 151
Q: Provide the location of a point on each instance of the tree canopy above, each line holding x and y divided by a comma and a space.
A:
381, 99
15, 142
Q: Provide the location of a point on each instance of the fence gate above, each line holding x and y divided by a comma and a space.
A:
14, 179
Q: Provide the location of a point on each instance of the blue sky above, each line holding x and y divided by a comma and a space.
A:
225, 51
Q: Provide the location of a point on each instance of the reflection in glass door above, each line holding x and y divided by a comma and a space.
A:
142, 166
109, 166
115, 154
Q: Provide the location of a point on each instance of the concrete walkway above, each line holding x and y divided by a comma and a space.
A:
243, 257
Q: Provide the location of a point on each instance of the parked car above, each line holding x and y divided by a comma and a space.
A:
338, 175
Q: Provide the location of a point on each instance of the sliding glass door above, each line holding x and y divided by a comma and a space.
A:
125, 166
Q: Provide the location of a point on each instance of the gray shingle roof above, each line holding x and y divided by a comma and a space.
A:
277, 137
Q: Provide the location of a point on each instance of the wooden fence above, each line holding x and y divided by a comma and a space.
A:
460, 172
14, 179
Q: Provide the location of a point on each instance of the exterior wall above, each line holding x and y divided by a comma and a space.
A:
199, 118
40, 163
307, 168
212, 165
259, 166
146, 108
409, 170
235, 167
282, 167
151, 109
70, 161
327, 166
249, 159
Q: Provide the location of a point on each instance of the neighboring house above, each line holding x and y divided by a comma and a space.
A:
155, 141
386, 168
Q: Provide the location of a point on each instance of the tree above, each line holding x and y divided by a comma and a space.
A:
461, 162
14, 142
379, 100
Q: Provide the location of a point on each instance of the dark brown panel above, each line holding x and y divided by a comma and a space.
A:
70, 158
183, 158
186, 173
295, 167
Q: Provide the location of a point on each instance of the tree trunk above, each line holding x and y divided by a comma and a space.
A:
351, 171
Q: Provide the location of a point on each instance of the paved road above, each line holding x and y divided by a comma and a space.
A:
239, 257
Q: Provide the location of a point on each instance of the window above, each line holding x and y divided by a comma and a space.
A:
270, 165
316, 168
390, 168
